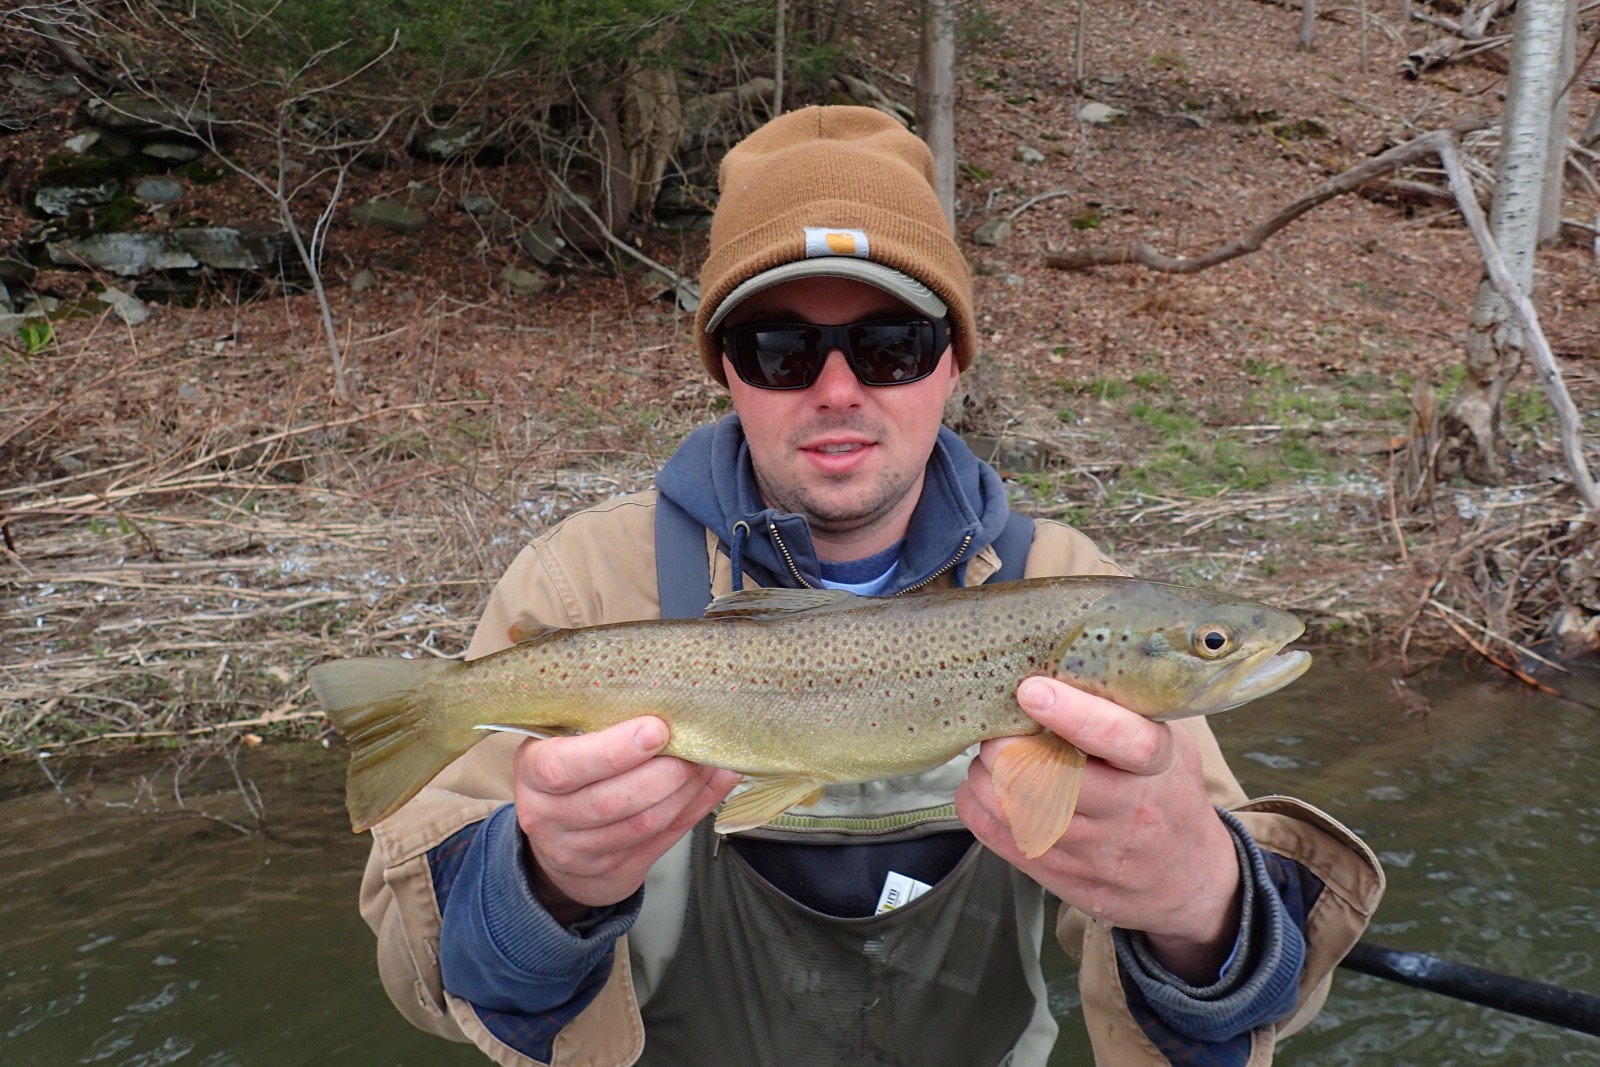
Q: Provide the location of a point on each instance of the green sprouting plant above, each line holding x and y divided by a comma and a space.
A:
36, 335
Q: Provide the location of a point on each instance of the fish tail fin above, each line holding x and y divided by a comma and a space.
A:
1036, 781
381, 709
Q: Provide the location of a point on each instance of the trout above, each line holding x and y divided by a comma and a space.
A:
802, 688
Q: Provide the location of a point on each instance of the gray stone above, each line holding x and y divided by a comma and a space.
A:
1022, 454
61, 199
138, 116
11, 325
82, 142
127, 254
541, 244
1097, 114
125, 307
993, 232
1190, 119
159, 190
477, 205
15, 271
519, 282
362, 281
229, 248
385, 214
417, 193
171, 152
449, 141
1028, 155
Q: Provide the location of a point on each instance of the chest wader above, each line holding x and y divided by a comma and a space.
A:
760, 979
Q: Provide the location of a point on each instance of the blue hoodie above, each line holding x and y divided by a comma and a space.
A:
527, 976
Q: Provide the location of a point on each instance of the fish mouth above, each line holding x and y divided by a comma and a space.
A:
1265, 672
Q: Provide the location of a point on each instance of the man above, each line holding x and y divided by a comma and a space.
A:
564, 901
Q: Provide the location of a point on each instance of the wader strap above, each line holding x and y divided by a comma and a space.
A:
685, 590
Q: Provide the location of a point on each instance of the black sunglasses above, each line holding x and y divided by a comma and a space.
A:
790, 355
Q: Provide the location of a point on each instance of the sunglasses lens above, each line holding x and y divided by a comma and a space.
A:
776, 357
890, 353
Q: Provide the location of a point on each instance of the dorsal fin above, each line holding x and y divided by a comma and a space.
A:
778, 603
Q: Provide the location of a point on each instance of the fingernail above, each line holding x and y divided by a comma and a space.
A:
1036, 696
650, 736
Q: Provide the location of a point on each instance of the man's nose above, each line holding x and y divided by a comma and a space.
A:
837, 383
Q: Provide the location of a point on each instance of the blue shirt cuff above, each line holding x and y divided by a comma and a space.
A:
1260, 982
499, 948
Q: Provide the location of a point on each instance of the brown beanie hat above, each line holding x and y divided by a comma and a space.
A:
841, 191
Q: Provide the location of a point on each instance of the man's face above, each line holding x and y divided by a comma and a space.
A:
847, 456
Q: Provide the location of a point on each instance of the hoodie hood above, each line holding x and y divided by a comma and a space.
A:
962, 509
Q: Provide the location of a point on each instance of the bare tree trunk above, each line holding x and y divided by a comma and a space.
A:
1471, 426
778, 60
1560, 113
1077, 44
1308, 24
936, 77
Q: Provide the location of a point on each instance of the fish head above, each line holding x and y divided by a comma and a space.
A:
1169, 652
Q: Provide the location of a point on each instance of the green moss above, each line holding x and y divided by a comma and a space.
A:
88, 169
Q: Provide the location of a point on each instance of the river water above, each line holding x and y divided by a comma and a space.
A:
137, 930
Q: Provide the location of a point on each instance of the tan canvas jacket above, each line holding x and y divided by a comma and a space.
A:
599, 566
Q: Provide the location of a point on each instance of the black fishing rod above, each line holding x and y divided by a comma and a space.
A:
1546, 1003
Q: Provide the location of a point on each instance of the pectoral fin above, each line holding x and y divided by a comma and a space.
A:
1036, 781
764, 801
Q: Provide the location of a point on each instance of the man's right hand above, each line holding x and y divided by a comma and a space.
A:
598, 809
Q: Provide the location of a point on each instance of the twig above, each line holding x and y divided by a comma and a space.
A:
1032, 200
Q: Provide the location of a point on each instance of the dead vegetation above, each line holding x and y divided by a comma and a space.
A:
189, 520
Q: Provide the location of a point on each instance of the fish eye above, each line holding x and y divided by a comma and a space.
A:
1211, 640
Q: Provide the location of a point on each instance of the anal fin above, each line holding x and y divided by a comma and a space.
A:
1036, 781
764, 801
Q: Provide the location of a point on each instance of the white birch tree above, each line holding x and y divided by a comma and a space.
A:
936, 97
1472, 442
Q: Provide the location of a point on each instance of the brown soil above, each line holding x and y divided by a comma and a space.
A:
191, 520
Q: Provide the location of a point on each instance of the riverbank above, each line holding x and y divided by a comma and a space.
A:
190, 521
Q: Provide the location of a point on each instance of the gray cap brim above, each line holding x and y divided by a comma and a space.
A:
902, 287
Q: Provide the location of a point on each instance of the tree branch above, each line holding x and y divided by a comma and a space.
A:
1351, 180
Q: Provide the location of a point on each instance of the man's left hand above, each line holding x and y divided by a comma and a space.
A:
1145, 850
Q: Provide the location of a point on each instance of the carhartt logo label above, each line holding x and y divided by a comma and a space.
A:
822, 241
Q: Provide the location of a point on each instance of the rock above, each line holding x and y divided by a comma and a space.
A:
16, 271
11, 325
231, 248
138, 116
159, 190
684, 292
1010, 454
82, 142
5, 297
172, 153
127, 254
362, 281
993, 232
125, 307
385, 214
519, 282
478, 206
1098, 114
541, 244
417, 193
61, 199
448, 141
1191, 120
1029, 155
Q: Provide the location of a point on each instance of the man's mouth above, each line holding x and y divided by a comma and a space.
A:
839, 449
